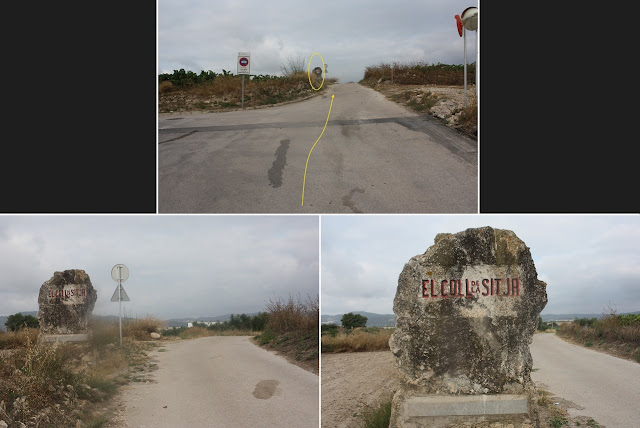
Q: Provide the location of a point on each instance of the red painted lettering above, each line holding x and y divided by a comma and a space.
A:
442, 293
498, 280
424, 288
515, 286
485, 284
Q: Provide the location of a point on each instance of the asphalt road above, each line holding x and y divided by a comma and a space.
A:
374, 157
607, 388
223, 382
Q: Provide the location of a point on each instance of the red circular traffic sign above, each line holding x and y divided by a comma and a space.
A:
244, 61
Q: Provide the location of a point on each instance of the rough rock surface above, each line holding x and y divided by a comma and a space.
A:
466, 313
66, 302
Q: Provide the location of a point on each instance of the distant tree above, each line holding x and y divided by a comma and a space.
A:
17, 321
330, 329
542, 326
352, 320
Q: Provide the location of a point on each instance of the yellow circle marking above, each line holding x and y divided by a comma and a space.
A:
309, 71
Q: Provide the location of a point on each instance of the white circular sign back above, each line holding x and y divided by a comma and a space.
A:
120, 273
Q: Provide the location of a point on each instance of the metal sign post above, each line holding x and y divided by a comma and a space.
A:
244, 66
120, 273
469, 20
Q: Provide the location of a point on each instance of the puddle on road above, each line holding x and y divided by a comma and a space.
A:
347, 202
275, 173
265, 389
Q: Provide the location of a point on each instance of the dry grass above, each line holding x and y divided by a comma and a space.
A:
226, 92
419, 73
18, 339
293, 314
367, 339
141, 328
58, 384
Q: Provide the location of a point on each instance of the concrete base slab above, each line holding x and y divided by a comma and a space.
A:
436, 411
49, 338
438, 405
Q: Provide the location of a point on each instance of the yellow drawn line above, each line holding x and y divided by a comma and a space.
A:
314, 144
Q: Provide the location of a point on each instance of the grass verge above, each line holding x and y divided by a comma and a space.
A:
618, 335
69, 384
292, 331
224, 92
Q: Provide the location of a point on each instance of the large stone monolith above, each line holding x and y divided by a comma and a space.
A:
466, 311
65, 305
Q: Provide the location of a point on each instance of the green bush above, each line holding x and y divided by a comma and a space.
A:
330, 329
266, 337
18, 321
352, 320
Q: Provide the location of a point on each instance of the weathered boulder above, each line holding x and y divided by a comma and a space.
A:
66, 302
466, 311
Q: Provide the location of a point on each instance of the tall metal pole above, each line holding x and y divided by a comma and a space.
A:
464, 33
243, 92
120, 301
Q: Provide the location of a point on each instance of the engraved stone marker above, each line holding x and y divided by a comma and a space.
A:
65, 305
466, 311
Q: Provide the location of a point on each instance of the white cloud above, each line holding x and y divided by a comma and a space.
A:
200, 35
180, 265
588, 262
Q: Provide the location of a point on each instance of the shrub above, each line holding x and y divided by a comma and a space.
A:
330, 329
293, 315
18, 321
141, 328
416, 73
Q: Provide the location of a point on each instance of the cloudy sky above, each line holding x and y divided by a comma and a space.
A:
350, 35
588, 262
180, 266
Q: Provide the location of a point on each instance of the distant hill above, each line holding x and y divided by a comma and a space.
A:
559, 317
373, 320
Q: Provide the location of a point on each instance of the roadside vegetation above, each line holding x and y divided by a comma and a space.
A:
71, 384
377, 416
185, 90
419, 73
419, 86
615, 334
359, 340
292, 330
237, 325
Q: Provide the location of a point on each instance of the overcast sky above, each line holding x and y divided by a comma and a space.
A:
588, 262
350, 35
180, 266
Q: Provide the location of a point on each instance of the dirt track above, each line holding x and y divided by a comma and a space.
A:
352, 381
